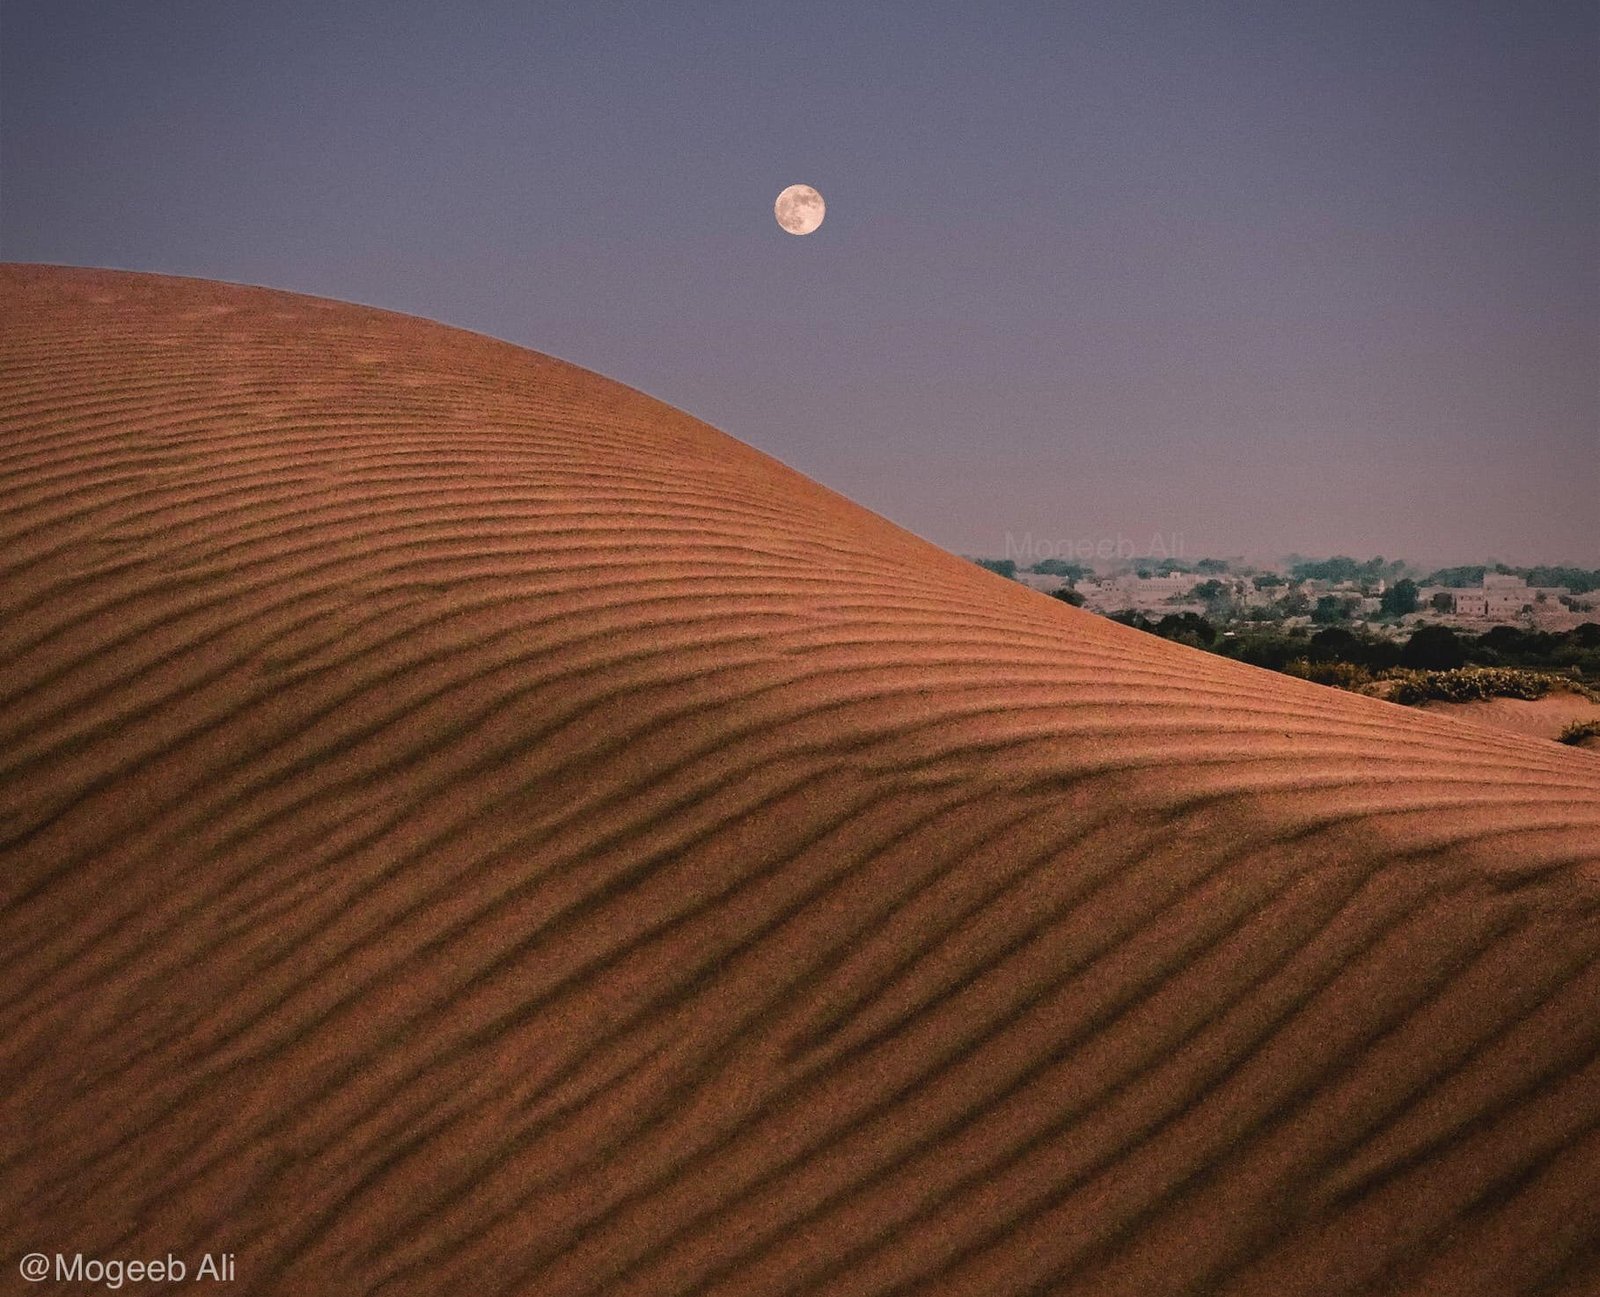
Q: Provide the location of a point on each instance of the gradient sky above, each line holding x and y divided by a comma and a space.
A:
1264, 276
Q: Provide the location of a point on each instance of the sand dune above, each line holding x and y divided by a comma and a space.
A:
468, 827
1543, 718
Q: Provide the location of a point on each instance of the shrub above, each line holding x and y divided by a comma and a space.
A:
1400, 598
1341, 675
1189, 627
1273, 649
1333, 608
1006, 567
1433, 648
1334, 643
1060, 567
1473, 684
1578, 731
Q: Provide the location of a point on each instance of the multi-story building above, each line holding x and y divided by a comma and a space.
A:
1504, 597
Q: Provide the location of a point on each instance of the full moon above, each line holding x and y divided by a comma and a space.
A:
799, 209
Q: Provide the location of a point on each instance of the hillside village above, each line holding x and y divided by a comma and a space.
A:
1384, 604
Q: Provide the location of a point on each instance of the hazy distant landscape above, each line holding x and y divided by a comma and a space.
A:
1462, 634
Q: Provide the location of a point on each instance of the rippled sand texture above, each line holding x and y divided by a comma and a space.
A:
470, 828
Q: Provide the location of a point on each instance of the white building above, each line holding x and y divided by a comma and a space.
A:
1503, 597
1170, 584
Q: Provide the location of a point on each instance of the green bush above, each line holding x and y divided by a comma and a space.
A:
1473, 684
1578, 731
1433, 648
1188, 627
1341, 675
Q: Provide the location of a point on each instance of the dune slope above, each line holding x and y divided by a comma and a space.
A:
468, 827
1543, 718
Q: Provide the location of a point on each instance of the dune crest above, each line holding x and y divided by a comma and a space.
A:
467, 826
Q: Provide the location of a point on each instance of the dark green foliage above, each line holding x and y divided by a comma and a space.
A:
1510, 645
1060, 567
1504, 661
1337, 568
1188, 627
1342, 568
1331, 608
1341, 675
1336, 644
1576, 650
1458, 578
1579, 580
1433, 648
1068, 595
1578, 731
1268, 648
1472, 684
1399, 599
1006, 567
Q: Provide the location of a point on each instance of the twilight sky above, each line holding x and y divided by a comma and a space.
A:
1250, 276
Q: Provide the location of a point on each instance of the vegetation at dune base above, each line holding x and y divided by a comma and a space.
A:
1435, 664
1473, 684
1452, 685
1358, 649
1433, 648
1578, 731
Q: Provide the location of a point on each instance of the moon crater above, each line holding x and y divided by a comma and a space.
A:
799, 209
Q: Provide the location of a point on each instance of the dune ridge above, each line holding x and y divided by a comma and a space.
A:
468, 826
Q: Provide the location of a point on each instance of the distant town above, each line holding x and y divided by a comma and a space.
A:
1377, 595
1361, 624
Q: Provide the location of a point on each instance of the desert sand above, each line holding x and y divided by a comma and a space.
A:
1542, 718
468, 827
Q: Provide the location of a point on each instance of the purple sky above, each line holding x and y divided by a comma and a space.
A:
1265, 276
